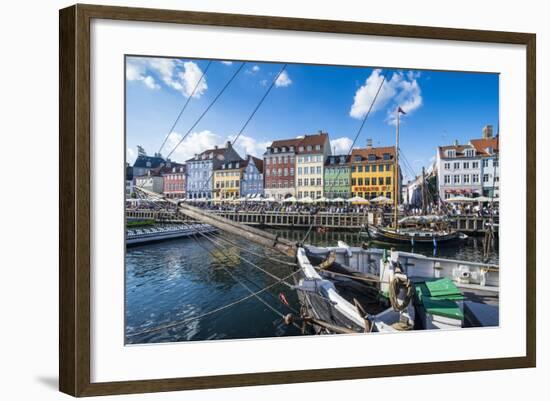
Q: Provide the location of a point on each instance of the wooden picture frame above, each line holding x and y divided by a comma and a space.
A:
75, 208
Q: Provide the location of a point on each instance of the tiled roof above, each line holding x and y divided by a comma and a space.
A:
306, 140
481, 145
378, 152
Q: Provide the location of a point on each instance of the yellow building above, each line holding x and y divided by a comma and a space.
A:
227, 180
373, 172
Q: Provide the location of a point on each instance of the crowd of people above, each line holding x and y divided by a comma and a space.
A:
452, 209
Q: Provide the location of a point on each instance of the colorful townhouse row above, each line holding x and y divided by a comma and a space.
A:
299, 167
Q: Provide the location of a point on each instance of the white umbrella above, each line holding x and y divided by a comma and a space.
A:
307, 199
357, 199
381, 199
321, 199
485, 199
270, 199
336, 200
460, 198
291, 199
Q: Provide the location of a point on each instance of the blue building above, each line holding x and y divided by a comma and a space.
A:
252, 181
200, 169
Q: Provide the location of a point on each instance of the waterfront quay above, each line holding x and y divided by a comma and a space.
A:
471, 224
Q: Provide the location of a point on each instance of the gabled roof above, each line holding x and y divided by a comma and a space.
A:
259, 163
377, 152
481, 145
337, 162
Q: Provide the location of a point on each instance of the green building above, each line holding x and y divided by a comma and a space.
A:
337, 177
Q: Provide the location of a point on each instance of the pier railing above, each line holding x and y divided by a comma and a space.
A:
465, 223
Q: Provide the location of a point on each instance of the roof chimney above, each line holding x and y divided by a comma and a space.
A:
228, 144
456, 142
487, 132
215, 146
369, 143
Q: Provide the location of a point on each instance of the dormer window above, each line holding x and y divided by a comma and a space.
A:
223, 166
372, 157
292, 148
148, 164
342, 159
490, 150
309, 148
283, 149
357, 158
386, 156
275, 150
470, 153
237, 165
451, 153
301, 148
317, 147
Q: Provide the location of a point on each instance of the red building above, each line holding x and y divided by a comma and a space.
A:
174, 180
279, 166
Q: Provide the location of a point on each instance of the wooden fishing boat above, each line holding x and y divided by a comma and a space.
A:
417, 235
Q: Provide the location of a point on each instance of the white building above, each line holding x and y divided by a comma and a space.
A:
468, 170
458, 171
311, 152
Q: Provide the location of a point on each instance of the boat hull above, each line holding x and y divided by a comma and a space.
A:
414, 238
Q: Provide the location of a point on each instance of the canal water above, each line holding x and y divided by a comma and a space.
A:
179, 280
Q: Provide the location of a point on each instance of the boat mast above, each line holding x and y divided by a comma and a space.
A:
396, 178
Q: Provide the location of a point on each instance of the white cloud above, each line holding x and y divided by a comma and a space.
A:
400, 90
131, 155
227, 62
178, 75
264, 82
190, 78
256, 68
194, 143
247, 145
137, 72
198, 142
283, 80
341, 146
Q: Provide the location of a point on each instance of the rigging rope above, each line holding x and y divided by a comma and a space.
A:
207, 108
352, 145
211, 312
184, 106
205, 183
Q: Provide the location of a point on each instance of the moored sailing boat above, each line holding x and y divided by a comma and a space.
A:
422, 230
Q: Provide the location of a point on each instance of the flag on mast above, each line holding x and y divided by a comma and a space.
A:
400, 110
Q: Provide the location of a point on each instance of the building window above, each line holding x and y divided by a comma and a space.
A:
475, 164
466, 178
466, 165
469, 153
495, 162
388, 180
456, 166
360, 181
447, 179
485, 177
380, 180
485, 162
319, 181
359, 169
456, 179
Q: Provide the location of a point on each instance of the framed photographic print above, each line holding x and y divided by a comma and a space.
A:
250, 200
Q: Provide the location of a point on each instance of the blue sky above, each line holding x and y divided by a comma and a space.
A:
440, 106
